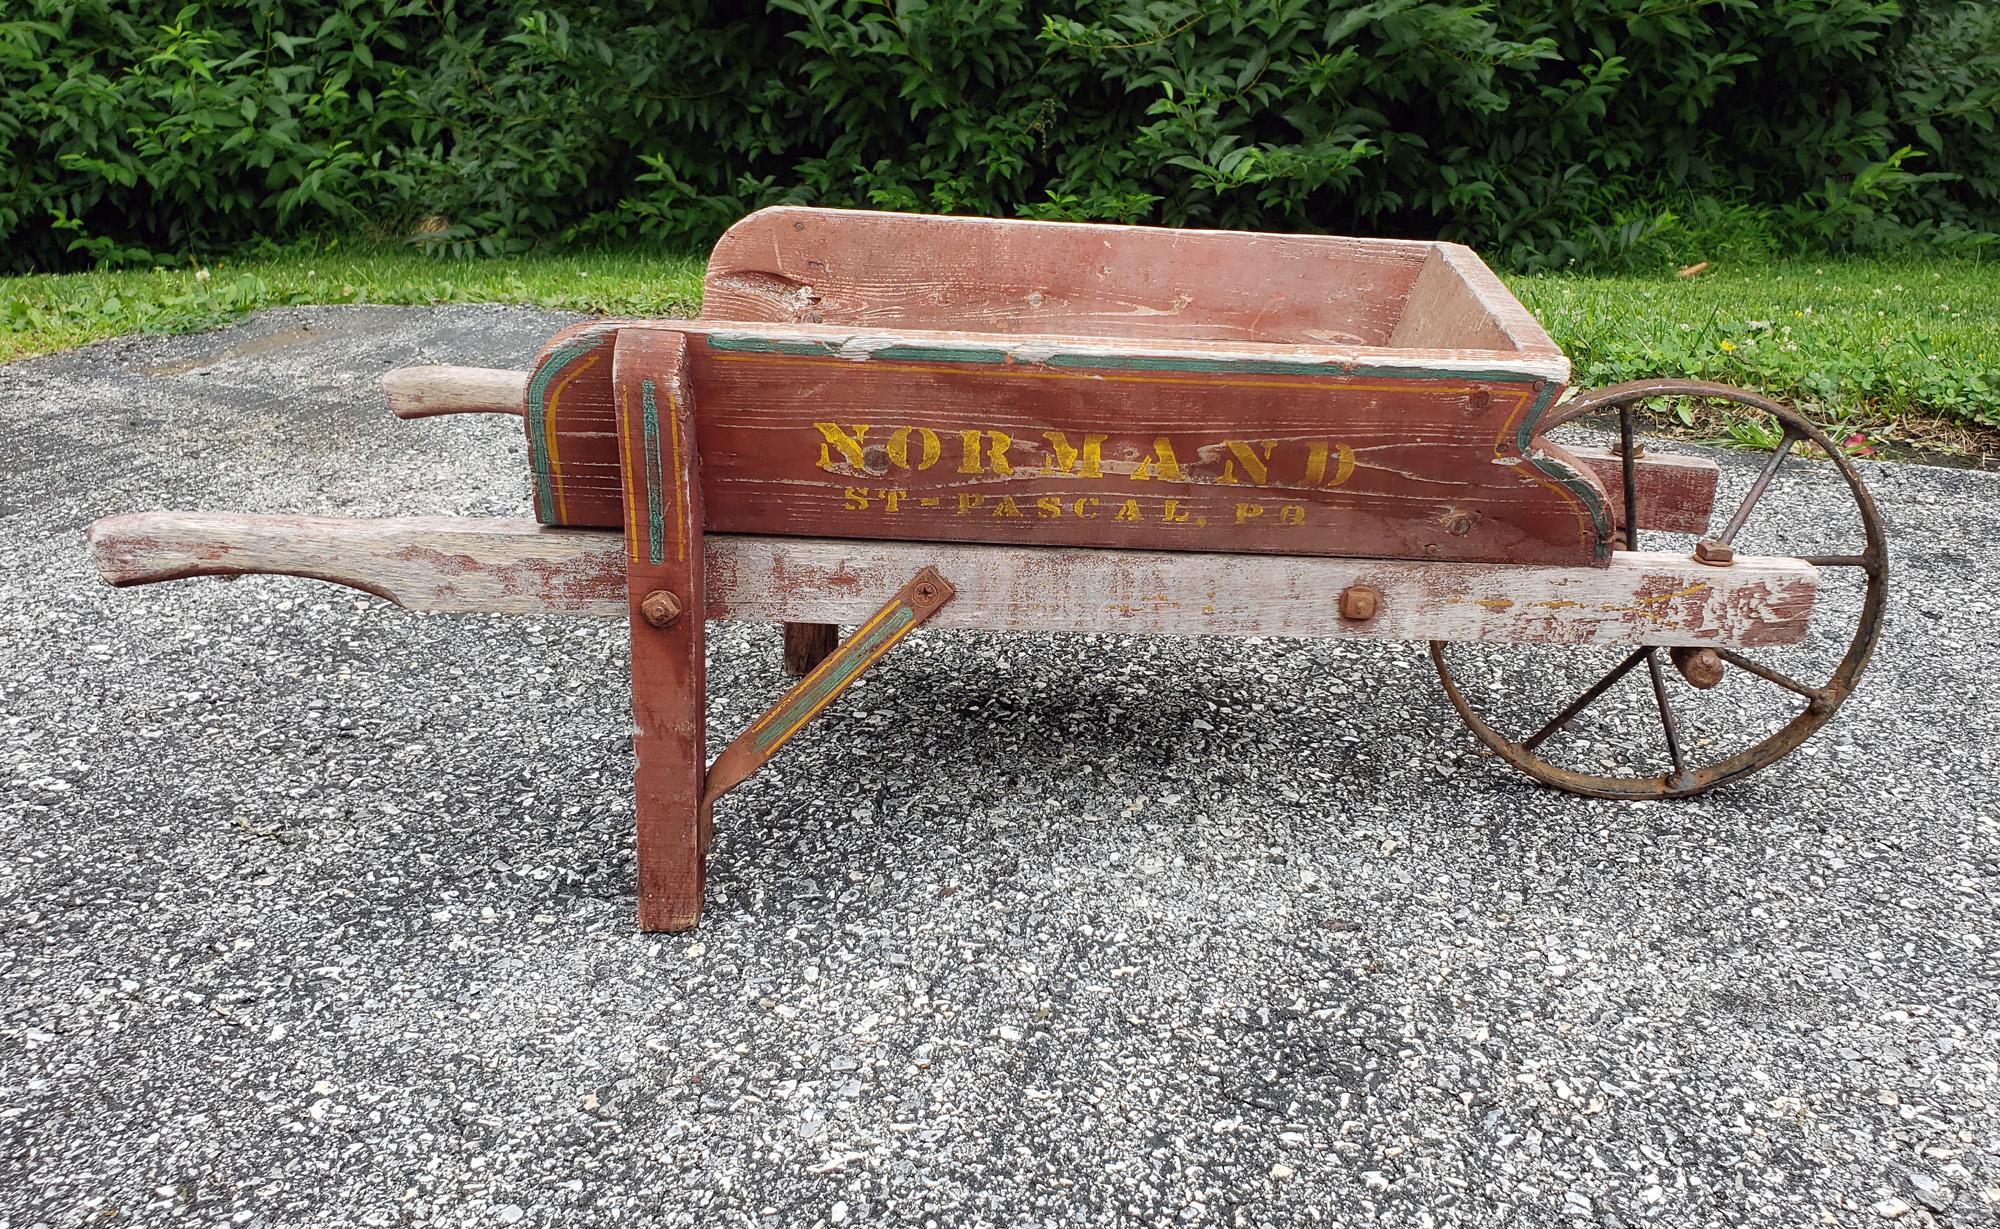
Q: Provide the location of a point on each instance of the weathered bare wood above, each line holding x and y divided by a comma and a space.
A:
421, 392
1442, 312
516, 566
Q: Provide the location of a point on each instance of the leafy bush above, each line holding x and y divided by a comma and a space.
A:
1612, 133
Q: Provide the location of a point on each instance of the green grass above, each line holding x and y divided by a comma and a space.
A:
44, 312
1903, 351
1906, 350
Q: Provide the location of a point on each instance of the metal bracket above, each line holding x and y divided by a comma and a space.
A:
924, 595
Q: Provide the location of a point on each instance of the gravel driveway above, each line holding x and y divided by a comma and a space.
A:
321, 912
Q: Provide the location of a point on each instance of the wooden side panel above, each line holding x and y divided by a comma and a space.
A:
571, 426
1044, 445
515, 566
955, 437
1676, 494
664, 558
1017, 278
1443, 313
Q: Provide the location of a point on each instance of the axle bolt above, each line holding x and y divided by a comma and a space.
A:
1713, 553
1359, 603
660, 608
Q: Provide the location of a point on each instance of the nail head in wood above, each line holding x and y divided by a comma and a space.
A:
1360, 602
660, 608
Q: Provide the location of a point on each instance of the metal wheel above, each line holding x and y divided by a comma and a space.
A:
1659, 723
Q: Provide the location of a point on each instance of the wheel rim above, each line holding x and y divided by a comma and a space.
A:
1683, 775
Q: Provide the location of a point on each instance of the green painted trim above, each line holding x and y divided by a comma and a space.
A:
1569, 479
538, 436
656, 515
858, 655
750, 343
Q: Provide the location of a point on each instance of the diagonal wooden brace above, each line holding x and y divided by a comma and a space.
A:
924, 595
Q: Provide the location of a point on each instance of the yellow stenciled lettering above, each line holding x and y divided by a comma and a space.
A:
854, 499
1127, 511
892, 499
1292, 514
848, 444
1084, 508
1048, 508
1343, 464
1006, 507
1065, 460
1173, 513
1163, 457
928, 444
997, 443
1248, 512
1257, 467
967, 503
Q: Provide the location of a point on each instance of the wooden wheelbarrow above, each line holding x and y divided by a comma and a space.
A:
885, 420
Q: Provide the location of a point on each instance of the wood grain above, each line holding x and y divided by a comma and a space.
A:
807, 645
1009, 277
517, 566
664, 558
423, 392
1379, 344
1198, 446
1676, 494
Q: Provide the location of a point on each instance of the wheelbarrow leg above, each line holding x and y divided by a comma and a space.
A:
667, 591
807, 645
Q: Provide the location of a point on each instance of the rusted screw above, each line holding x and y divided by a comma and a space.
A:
1360, 602
660, 608
1713, 553
1477, 400
925, 593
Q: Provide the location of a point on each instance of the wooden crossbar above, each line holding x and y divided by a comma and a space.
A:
513, 566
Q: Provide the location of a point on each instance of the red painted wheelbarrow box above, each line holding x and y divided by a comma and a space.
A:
1026, 425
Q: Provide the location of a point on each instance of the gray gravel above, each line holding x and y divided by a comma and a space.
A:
320, 912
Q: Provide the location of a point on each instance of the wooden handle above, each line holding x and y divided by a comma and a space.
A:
440, 563
424, 392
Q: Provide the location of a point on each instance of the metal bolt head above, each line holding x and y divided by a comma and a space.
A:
1714, 553
1360, 602
925, 593
660, 608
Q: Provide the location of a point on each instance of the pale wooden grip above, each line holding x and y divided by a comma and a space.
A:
441, 563
423, 392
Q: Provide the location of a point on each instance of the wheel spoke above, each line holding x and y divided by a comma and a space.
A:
1583, 701
1756, 491
1766, 673
1837, 561
1626, 448
1666, 712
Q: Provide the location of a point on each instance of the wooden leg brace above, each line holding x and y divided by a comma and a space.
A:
667, 594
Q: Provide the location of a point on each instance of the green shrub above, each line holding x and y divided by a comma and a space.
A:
1608, 133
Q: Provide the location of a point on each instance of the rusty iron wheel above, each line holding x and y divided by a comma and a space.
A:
1683, 776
